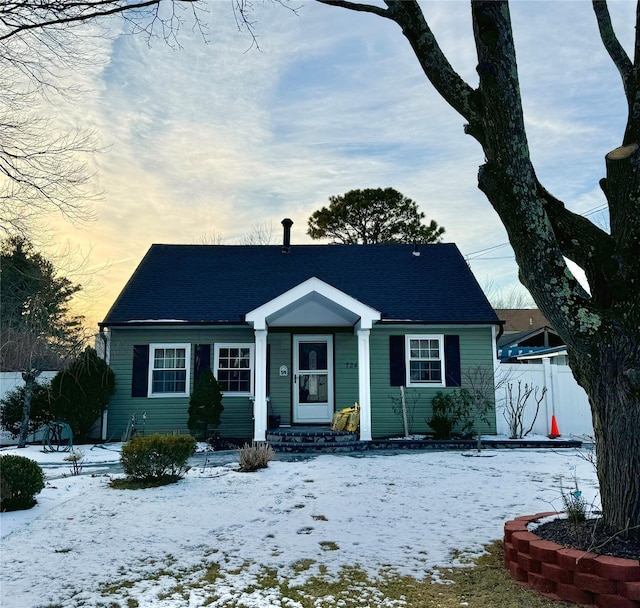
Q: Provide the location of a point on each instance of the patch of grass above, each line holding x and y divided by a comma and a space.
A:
127, 483
485, 585
302, 565
212, 574
489, 585
328, 545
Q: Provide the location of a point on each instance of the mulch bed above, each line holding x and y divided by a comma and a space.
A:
590, 535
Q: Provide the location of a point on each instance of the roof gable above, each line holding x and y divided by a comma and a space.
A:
221, 284
311, 299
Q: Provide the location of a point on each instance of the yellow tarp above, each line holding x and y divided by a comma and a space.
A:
347, 419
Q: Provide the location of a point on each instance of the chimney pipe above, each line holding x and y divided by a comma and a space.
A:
286, 243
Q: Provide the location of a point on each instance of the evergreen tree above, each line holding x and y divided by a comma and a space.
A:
370, 216
37, 330
205, 405
80, 394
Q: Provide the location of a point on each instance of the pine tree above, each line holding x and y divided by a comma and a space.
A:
205, 405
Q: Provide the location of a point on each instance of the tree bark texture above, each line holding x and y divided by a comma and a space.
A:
602, 328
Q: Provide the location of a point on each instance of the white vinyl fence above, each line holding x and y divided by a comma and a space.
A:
564, 398
12, 380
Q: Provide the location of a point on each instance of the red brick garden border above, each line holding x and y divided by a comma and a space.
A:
566, 574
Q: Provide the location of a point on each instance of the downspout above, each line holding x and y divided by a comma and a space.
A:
103, 431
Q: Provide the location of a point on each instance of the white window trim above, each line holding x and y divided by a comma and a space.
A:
407, 347
187, 357
216, 360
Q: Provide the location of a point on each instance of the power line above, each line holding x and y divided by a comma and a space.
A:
481, 252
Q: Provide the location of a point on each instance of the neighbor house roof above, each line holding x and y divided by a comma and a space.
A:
521, 319
220, 284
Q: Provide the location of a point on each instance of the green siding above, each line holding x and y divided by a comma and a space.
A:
475, 350
280, 386
346, 370
169, 415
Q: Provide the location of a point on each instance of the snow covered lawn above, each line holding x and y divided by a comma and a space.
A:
86, 544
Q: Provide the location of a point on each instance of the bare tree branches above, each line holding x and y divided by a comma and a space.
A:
17, 18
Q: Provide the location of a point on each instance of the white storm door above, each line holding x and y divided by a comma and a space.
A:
312, 379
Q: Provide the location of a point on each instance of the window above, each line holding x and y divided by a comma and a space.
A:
234, 368
425, 357
169, 368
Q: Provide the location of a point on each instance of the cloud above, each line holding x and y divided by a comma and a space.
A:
213, 137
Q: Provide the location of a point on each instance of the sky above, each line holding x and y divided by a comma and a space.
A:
417, 514
206, 140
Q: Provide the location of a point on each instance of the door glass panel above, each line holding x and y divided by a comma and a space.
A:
312, 388
312, 356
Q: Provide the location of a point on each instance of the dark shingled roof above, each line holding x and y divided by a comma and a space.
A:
215, 284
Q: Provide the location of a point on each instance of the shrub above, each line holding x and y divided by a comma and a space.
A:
11, 409
205, 405
157, 458
20, 480
255, 456
81, 393
448, 410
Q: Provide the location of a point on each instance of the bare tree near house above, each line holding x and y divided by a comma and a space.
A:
37, 330
601, 329
260, 233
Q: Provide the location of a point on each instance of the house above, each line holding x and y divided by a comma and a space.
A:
294, 331
528, 337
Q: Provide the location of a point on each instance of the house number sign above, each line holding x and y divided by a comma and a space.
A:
284, 371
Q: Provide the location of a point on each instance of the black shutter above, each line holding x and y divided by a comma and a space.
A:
452, 360
397, 365
202, 361
140, 375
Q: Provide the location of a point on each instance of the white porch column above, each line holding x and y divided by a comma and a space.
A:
260, 401
364, 384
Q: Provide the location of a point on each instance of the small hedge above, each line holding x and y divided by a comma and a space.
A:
157, 459
20, 480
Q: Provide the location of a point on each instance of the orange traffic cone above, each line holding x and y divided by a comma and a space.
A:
554, 428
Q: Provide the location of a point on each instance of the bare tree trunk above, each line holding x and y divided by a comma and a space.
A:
29, 381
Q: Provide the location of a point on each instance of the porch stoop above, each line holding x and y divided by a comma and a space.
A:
312, 439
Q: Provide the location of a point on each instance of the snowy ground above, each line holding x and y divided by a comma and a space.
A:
411, 513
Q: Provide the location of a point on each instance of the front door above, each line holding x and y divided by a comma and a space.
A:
312, 379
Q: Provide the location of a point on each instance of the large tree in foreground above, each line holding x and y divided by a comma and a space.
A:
601, 329
370, 216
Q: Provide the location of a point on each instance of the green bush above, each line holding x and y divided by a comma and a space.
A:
20, 480
448, 410
157, 458
205, 405
81, 393
11, 409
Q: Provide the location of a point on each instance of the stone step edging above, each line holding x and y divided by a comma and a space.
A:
561, 573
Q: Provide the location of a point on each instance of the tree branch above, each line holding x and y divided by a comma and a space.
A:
355, 6
47, 14
628, 71
454, 90
610, 40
